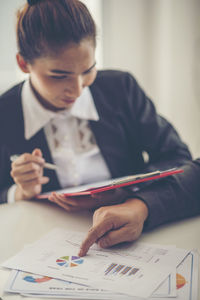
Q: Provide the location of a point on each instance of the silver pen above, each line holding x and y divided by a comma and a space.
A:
135, 177
46, 165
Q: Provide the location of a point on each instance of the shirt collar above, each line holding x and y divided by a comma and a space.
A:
36, 116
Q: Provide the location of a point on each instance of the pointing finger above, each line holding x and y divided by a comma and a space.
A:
93, 236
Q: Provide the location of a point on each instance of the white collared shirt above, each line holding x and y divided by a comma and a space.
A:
71, 142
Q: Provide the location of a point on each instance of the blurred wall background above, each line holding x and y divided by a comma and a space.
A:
158, 41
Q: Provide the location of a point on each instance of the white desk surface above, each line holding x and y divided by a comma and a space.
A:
25, 222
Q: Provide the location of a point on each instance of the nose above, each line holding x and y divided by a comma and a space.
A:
75, 87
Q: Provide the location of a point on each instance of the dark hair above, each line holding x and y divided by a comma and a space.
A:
45, 26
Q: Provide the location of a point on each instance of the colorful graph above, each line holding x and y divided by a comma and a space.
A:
31, 278
69, 261
180, 281
116, 269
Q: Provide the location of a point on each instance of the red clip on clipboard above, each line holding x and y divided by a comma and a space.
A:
125, 181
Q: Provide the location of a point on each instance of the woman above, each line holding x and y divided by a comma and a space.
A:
92, 125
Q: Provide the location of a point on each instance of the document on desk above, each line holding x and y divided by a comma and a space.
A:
133, 269
40, 286
21, 282
28, 283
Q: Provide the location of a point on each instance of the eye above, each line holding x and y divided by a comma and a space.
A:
88, 71
58, 77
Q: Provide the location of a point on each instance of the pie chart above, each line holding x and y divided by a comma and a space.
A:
180, 281
36, 279
69, 261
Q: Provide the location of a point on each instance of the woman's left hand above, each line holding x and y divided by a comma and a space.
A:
76, 203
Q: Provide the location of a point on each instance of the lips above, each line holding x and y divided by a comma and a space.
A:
68, 101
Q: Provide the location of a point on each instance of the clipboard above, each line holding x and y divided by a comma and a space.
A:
120, 182
126, 181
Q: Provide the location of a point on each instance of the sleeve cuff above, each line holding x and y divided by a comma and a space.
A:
11, 194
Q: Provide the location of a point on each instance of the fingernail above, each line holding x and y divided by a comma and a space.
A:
80, 253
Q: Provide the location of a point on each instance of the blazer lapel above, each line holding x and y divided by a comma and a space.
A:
110, 137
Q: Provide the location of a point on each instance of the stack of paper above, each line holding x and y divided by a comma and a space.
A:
129, 271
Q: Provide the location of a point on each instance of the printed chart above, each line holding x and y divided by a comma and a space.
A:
180, 281
117, 269
69, 261
39, 279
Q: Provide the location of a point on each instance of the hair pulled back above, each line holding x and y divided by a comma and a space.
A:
45, 26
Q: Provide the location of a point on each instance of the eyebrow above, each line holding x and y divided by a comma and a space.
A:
68, 72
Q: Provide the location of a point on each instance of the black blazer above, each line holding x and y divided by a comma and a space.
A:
128, 126
173, 198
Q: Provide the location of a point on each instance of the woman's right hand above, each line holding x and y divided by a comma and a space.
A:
116, 224
27, 173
